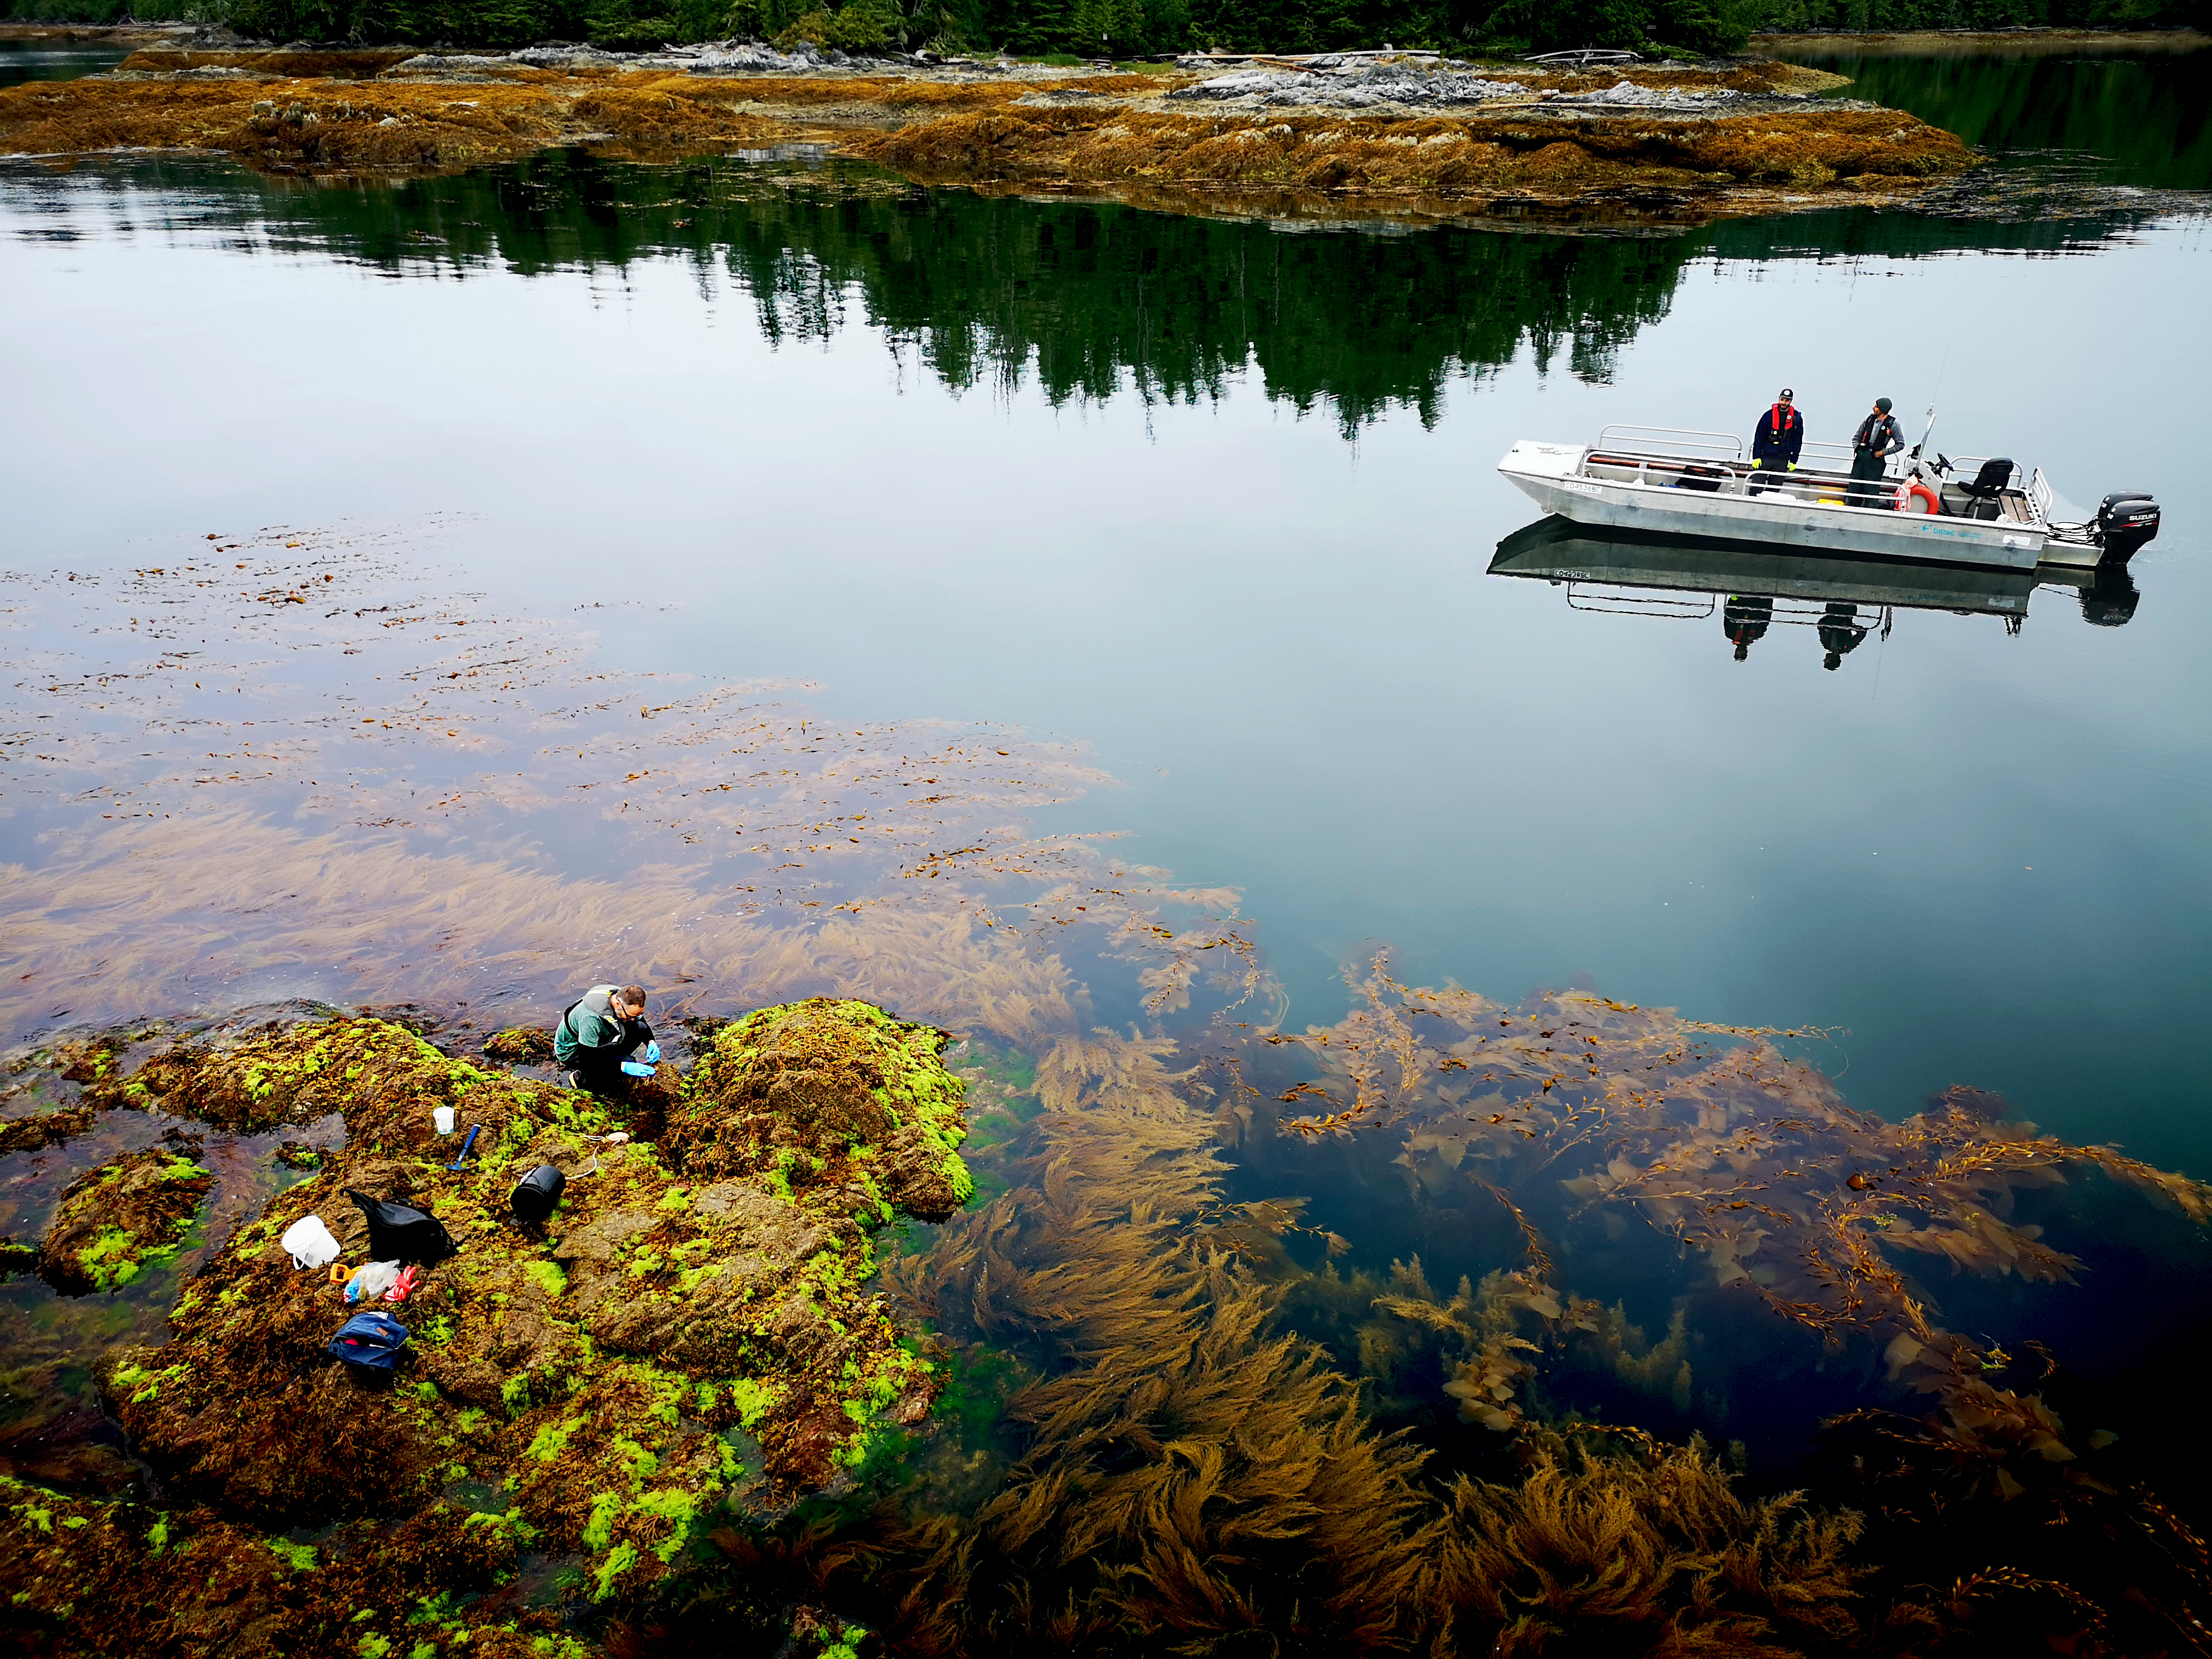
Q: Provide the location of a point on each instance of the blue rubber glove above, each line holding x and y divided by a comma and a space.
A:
653, 1051
636, 1070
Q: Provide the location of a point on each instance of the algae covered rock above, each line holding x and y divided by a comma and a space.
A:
83, 1576
112, 1220
521, 1045
690, 1322
829, 1093
35, 1129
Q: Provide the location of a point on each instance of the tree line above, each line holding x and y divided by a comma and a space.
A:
1119, 29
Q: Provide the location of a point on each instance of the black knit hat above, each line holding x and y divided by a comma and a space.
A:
1883, 404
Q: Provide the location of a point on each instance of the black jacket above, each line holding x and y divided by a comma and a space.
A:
1877, 434
1778, 440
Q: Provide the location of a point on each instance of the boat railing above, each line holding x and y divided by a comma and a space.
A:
1674, 440
1616, 601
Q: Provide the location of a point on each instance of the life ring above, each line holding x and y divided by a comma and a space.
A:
1918, 497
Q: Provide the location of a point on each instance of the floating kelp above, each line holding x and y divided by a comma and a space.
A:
667, 1337
114, 1218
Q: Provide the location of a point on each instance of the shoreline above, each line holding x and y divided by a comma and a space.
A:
1347, 137
1675, 145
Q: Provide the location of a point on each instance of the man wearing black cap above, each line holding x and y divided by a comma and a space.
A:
1777, 438
1877, 439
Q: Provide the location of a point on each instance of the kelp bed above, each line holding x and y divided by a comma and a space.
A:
342, 113
1154, 1411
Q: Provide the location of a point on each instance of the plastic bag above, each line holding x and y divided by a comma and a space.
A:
309, 1242
372, 1341
398, 1233
372, 1281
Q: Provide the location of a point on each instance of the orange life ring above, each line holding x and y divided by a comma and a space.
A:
1918, 497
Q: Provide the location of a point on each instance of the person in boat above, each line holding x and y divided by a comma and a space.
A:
1779, 439
600, 1030
1745, 619
1840, 632
1877, 439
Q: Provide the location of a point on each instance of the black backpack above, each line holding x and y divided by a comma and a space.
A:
537, 1195
398, 1233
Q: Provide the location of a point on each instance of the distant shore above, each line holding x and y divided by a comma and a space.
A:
1409, 137
1657, 143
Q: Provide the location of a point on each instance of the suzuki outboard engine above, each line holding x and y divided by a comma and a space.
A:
2125, 519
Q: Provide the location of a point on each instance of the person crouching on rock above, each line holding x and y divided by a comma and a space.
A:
600, 1031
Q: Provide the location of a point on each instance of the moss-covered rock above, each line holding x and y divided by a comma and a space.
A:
521, 1045
690, 1321
114, 1220
36, 1129
81, 1575
828, 1094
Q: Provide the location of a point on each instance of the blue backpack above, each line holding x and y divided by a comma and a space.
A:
370, 1340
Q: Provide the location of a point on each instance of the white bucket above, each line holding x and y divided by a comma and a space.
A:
309, 1243
443, 1117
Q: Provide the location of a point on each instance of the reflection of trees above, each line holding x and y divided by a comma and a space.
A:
1087, 298
2149, 117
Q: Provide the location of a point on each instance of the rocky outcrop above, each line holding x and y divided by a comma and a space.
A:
113, 1219
690, 1325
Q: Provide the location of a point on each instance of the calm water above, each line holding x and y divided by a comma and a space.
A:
55, 60
2140, 117
450, 591
1162, 487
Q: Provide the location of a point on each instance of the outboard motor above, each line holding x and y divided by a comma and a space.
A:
2125, 519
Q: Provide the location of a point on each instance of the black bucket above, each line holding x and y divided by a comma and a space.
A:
537, 1195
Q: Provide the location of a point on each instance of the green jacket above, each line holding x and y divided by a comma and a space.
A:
591, 1023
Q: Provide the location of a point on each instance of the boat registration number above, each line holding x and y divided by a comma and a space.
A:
1579, 486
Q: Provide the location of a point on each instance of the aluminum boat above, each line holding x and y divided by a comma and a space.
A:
1678, 482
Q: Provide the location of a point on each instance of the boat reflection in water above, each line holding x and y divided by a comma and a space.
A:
1753, 591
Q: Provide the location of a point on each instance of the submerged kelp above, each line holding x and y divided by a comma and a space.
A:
1572, 1104
113, 1219
1190, 1454
614, 1372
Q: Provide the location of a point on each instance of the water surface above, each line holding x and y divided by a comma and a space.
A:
764, 576
2140, 117
56, 60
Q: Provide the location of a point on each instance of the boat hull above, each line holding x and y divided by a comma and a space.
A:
1556, 550
1551, 475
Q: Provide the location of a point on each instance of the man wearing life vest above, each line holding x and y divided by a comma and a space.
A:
1877, 439
600, 1031
1777, 439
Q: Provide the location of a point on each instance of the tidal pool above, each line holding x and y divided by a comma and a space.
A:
1075, 626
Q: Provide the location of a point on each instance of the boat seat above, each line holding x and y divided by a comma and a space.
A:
1979, 496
